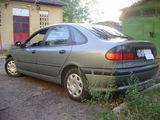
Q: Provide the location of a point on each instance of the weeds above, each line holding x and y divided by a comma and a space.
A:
140, 106
3, 52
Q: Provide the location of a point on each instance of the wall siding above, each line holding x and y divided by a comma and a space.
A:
55, 16
139, 27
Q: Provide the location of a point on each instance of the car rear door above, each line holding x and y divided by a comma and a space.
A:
52, 56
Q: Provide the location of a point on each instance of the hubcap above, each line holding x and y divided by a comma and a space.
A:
74, 85
11, 67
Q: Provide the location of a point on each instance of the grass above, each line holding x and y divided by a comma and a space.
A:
141, 106
3, 52
153, 93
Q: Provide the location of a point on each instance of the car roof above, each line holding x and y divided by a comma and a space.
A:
70, 24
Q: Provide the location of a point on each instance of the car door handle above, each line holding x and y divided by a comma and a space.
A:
33, 51
62, 51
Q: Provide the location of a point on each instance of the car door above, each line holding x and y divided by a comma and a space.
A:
52, 56
26, 57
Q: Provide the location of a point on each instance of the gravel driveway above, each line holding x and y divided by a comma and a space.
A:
27, 98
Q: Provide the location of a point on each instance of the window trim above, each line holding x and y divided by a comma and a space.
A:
151, 13
45, 22
72, 34
35, 33
16, 30
70, 37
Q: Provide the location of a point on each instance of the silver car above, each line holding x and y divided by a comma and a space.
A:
82, 57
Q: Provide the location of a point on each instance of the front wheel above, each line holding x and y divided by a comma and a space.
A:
76, 85
11, 69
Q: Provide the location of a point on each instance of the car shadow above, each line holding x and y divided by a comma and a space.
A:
44, 84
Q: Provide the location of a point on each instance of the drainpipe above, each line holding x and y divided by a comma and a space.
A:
0, 42
35, 2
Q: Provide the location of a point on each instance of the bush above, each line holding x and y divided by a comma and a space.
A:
140, 107
3, 52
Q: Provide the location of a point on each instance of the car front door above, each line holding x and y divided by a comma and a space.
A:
26, 57
52, 56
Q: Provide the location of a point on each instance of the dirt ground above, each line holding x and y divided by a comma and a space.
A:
27, 98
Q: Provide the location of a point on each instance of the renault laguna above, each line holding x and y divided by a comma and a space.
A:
82, 57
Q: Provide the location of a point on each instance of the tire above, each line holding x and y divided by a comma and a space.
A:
75, 84
10, 68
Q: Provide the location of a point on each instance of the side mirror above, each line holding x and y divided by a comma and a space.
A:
18, 44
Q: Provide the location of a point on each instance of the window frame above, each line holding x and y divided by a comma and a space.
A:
43, 21
25, 29
16, 26
70, 36
149, 12
36, 33
73, 36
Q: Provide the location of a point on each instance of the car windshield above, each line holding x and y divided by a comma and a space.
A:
105, 32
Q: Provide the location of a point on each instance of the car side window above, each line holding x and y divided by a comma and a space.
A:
37, 39
78, 36
58, 35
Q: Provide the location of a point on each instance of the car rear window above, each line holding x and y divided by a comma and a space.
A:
105, 32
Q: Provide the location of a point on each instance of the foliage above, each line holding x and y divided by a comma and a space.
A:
77, 11
3, 52
140, 106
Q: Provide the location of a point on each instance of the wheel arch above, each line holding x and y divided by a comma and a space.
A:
8, 56
65, 69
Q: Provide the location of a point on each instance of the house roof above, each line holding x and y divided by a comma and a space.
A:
141, 2
46, 2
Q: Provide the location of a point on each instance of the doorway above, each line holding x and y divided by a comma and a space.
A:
20, 28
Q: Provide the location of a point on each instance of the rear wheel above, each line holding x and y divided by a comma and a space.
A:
11, 69
76, 85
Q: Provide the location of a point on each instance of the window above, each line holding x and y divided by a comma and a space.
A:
149, 12
37, 38
133, 13
44, 19
104, 32
0, 18
21, 19
25, 28
78, 36
16, 27
158, 11
59, 35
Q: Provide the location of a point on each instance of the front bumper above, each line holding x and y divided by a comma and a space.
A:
118, 79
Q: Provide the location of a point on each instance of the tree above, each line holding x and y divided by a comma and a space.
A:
77, 10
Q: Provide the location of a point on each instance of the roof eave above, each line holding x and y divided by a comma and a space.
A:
59, 5
135, 5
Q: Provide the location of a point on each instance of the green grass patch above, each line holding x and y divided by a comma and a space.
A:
3, 52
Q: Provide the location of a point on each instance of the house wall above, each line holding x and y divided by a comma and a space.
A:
6, 30
141, 26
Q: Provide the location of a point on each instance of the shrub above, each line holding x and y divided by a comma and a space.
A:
140, 107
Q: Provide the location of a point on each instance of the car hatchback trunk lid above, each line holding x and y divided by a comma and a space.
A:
144, 51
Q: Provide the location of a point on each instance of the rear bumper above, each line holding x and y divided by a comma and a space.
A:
119, 72
117, 79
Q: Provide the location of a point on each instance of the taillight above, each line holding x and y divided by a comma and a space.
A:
120, 53
154, 51
155, 55
120, 56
